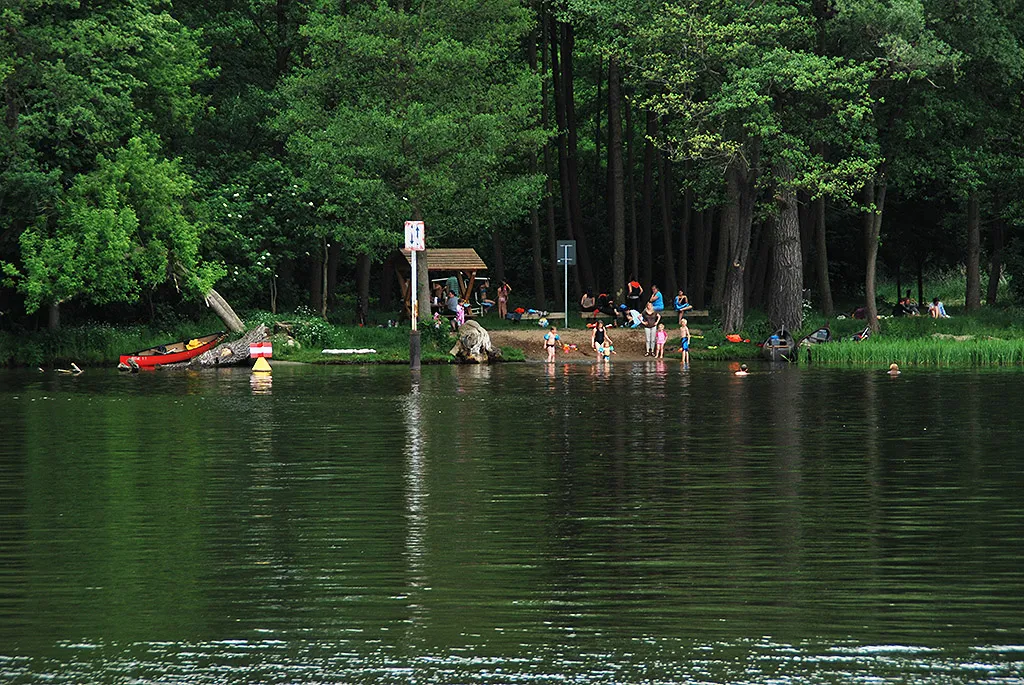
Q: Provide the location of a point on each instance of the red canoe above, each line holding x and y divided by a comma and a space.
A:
180, 351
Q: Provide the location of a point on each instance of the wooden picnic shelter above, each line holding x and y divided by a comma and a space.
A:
464, 262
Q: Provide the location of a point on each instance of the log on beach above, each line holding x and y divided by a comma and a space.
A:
231, 353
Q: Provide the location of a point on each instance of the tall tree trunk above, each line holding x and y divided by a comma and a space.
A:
499, 257
324, 258
785, 288
617, 193
683, 262
53, 317
537, 262
634, 245
584, 269
807, 218
549, 174
758, 265
920, 278
362, 287
874, 198
973, 300
995, 267
563, 154
597, 128
387, 284
646, 230
333, 262
316, 283
726, 218
740, 184
821, 255
669, 284
703, 232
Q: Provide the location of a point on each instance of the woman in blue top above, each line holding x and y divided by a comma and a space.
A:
657, 301
682, 304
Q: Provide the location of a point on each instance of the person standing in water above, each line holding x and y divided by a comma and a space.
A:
684, 343
551, 340
598, 336
660, 338
742, 371
651, 320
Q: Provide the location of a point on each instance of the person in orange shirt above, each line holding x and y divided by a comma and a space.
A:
633, 292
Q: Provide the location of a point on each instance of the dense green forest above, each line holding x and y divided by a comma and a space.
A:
752, 152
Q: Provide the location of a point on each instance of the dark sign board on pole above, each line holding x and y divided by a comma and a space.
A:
567, 252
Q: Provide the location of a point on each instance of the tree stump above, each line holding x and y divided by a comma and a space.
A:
474, 345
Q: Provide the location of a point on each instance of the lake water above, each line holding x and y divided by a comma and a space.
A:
512, 524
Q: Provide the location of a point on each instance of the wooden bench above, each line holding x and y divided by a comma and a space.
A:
698, 313
549, 316
595, 315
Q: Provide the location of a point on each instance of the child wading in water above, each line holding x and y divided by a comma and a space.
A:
660, 338
684, 344
551, 339
606, 351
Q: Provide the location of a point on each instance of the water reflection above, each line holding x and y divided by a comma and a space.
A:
624, 522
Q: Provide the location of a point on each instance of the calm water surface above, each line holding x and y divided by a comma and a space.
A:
640, 524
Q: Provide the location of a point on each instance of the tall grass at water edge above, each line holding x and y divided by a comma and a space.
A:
923, 352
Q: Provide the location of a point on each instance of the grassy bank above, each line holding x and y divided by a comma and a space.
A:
102, 344
991, 337
93, 344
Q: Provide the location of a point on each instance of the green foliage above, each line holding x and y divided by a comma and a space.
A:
415, 112
120, 230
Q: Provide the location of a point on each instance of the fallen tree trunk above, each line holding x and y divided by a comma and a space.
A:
216, 302
232, 353
220, 306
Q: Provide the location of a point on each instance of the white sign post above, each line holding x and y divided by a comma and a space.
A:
567, 256
415, 241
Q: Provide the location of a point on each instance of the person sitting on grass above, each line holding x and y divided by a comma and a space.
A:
936, 310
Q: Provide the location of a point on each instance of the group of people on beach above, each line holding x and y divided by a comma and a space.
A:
632, 314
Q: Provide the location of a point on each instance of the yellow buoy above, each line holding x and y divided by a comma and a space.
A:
261, 365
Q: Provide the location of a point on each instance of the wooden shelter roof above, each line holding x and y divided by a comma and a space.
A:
451, 259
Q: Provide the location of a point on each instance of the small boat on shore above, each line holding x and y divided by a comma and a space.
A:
170, 353
822, 335
780, 346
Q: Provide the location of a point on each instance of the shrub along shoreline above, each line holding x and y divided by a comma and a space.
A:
993, 337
